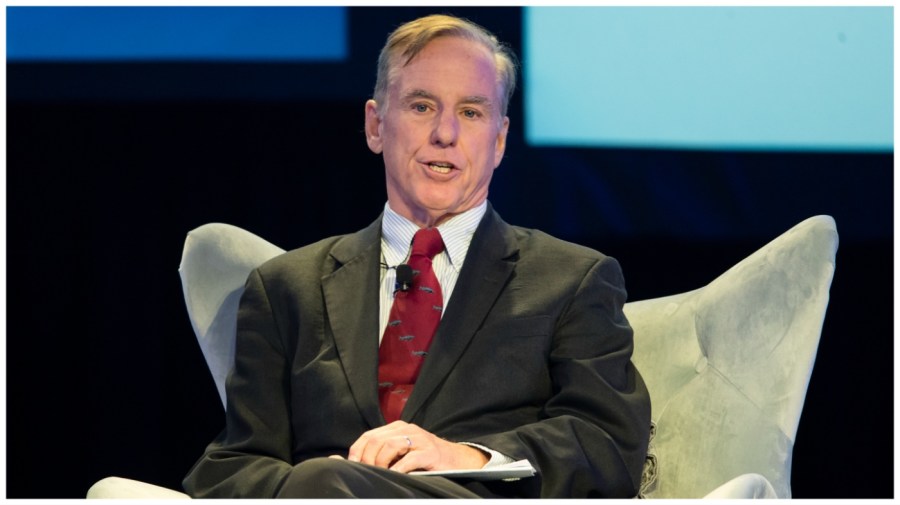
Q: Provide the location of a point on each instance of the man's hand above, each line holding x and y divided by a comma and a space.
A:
405, 447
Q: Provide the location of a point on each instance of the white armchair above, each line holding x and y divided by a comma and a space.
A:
727, 365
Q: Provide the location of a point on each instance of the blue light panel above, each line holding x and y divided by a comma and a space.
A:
710, 77
176, 33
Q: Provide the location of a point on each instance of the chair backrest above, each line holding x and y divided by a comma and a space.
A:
728, 365
215, 264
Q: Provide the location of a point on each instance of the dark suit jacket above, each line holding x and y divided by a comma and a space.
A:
532, 359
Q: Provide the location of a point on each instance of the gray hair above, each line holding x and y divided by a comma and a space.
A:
409, 39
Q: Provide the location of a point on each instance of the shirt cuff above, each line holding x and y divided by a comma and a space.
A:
496, 457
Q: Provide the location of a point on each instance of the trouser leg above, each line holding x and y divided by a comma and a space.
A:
338, 478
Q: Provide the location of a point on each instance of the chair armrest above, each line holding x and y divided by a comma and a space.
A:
749, 485
117, 487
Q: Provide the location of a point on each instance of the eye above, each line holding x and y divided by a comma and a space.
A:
471, 113
420, 107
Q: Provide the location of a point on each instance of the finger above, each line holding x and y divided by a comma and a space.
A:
358, 447
422, 455
336, 456
371, 449
408, 463
433, 453
393, 449
361, 449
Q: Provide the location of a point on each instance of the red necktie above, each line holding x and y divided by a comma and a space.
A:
415, 315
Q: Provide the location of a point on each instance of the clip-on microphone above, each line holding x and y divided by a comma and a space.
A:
404, 277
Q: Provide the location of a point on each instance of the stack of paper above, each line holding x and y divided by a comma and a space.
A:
514, 470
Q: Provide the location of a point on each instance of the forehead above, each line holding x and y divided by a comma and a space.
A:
450, 64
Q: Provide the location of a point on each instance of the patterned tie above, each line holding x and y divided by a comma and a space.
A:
414, 318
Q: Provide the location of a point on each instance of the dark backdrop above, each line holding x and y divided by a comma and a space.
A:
109, 166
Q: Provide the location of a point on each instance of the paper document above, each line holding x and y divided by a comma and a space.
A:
514, 470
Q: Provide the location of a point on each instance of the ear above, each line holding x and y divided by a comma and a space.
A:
500, 146
373, 127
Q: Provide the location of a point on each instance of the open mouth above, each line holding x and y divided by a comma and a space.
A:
440, 167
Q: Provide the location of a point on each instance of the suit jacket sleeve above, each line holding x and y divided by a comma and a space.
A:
593, 435
250, 457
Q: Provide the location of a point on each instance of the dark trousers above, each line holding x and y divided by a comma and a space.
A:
338, 478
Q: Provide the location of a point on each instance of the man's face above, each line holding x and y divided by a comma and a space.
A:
441, 131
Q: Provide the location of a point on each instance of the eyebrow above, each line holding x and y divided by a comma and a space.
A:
469, 100
478, 100
416, 94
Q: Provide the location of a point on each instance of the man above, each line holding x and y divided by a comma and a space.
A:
530, 358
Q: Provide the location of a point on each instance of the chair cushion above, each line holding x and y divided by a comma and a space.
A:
727, 365
215, 264
123, 489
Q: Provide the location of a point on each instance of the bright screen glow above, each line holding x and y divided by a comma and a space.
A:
175, 33
710, 77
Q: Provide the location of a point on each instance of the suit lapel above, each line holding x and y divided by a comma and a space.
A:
351, 301
489, 263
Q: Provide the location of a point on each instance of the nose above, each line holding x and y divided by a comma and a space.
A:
446, 129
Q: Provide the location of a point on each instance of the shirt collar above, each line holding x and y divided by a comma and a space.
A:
397, 233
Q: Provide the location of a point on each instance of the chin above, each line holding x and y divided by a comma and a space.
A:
439, 206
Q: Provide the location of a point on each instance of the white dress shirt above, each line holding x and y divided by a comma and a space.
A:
396, 242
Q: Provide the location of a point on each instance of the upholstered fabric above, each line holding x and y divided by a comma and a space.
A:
215, 263
748, 485
125, 489
727, 365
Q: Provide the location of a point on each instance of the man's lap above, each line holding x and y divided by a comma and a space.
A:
339, 478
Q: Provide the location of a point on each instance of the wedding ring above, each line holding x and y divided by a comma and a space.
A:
408, 442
